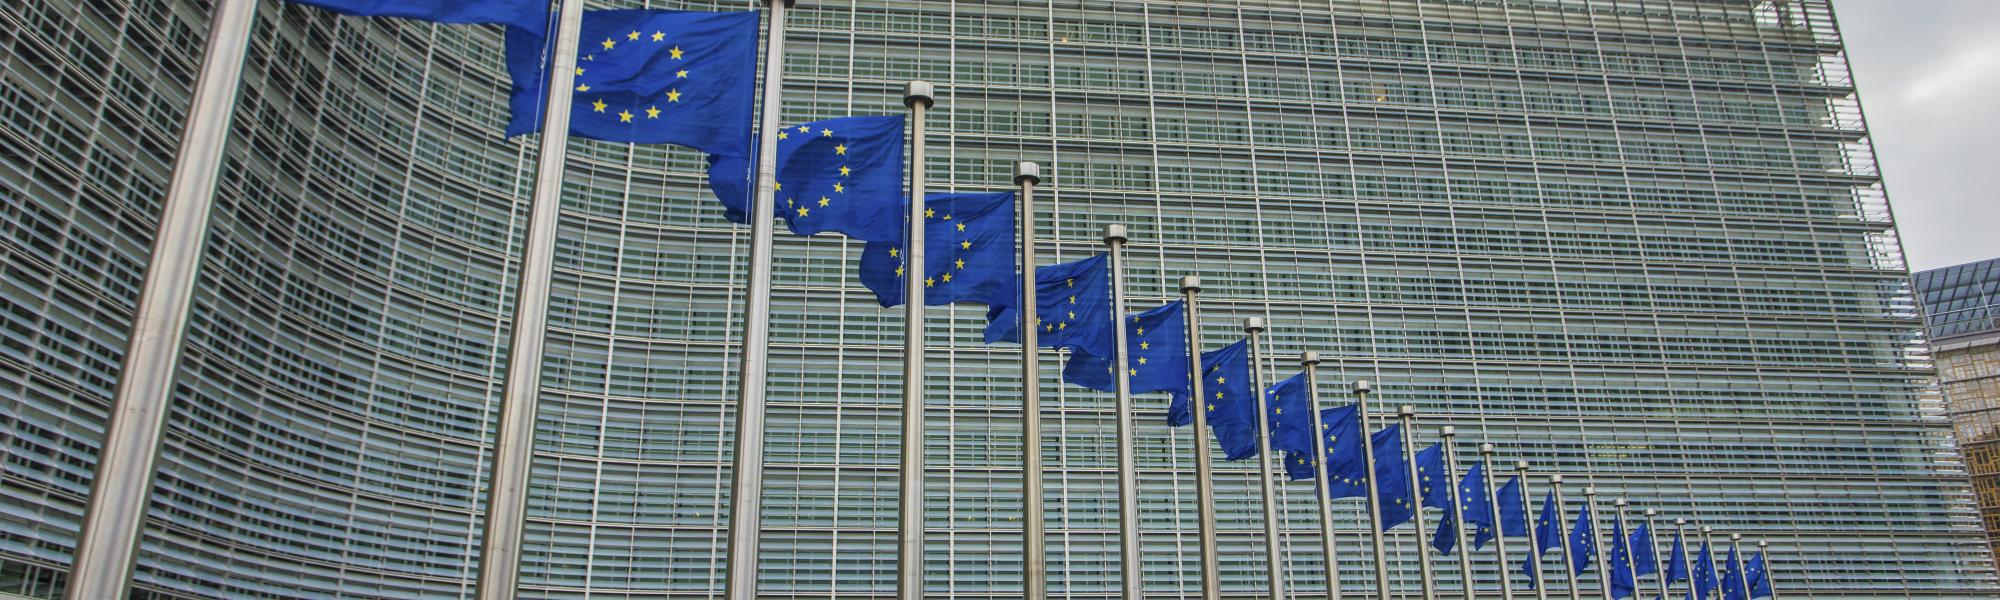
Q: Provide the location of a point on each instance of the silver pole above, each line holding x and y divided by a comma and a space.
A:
1653, 539
1376, 532
1274, 560
1499, 529
1034, 570
1204, 485
1742, 578
910, 498
1687, 566
1450, 435
746, 485
513, 447
1130, 577
1597, 544
107, 548
1630, 567
1534, 537
1310, 360
1408, 415
1708, 541
1562, 519
1764, 550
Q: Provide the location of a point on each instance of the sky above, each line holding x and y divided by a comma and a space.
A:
1929, 74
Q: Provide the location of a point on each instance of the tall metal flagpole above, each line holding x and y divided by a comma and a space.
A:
1708, 539
1408, 415
1034, 568
1204, 485
1274, 560
1630, 567
1735, 551
1499, 528
1764, 550
1680, 531
1128, 478
108, 545
1653, 539
910, 498
746, 485
1310, 360
1534, 538
1376, 532
513, 447
1457, 517
1597, 543
1562, 520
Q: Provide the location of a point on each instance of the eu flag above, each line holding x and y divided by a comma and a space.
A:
1156, 346
1583, 541
1513, 516
532, 15
1732, 579
1290, 417
968, 256
1434, 484
1548, 535
1760, 579
1392, 478
1232, 409
1477, 501
1074, 309
1677, 560
1347, 470
1645, 561
1446, 536
647, 77
1705, 581
841, 175
1623, 582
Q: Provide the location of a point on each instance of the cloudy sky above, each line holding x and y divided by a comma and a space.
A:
1929, 73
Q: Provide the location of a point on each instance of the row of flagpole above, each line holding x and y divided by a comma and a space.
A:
109, 542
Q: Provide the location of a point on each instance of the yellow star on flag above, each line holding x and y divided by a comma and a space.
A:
961, 264
843, 171
784, 135
583, 87
840, 149
681, 74
634, 36
893, 252
805, 129
965, 244
659, 36
928, 213
804, 212
961, 227
598, 106
624, 116
839, 188
673, 95
823, 200
826, 133
676, 52
608, 44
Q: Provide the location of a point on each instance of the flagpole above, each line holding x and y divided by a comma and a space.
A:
1034, 569
1130, 580
1562, 518
1764, 550
513, 445
1597, 543
746, 485
1408, 415
1274, 562
1204, 485
107, 547
1630, 567
1680, 531
1735, 552
1376, 532
1457, 517
1500, 528
1708, 540
1653, 539
1310, 360
1541, 579
910, 497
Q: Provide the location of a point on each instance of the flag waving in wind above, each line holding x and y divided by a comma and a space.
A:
1074, 309
1513, 516
1477, 501
1645, 561
1434, 485
1583, 541
532, 15
647, 77
1232, 409
1623, 582
968, 256
1705, 582
1347, 468
845, 176
1392, 478
1677, 559
1156, 346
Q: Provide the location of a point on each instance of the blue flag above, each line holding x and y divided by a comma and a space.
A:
1446, 536
1677, 559
1232, 409
1645, 561
1760, 579
1705, 582
845, 176
1583, 541
1732, 577
1548, 535
969, 254
1074, 309
1347, 469
1513, 514
1156, 346
648, 77
1433, 481
1623, 582
1291, 416
532, 15
1392, 478
1477, 502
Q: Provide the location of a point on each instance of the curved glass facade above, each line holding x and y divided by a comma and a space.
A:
1639, 242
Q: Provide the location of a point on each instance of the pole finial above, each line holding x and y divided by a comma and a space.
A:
1406, 411
1309, 358
1761, 544
1486, 448
1556, 479
1027, 172
1190, 283
1707, 530
1680, 522
1520, 465
1736, 537
1361, 386
1590, 490
1618, 502
1652, 513
919, 91
1253, 324
1114, 234
1448, 431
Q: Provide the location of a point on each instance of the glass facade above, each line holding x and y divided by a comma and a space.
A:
1960, 306
1639, 242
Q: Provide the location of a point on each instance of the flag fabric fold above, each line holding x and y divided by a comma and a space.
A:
1645, 560
1548, 535
1156, 344
1433, 482
1074, 308
1347, 469
1732, 577
1583, 541
845, 176
1392, 478
1677, 568
968, 256
647, 77
1760, 578
1232, 409
1513, 515
1705, 581
532, 15
1477, 502
1623, 582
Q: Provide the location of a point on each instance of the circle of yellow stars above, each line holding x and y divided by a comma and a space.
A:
839, 185
653, 111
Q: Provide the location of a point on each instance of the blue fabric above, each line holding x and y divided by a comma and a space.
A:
1677, 568
1290, 416
1548, 535
647, 77
1645, 560
1623, 582
845, 176
1392, 478
1156, 344
1477, 501
532, 15
1232, 409
1583, 541
1760, 579
1513, 511
1433, 480
1346, 464
968, 254
1732, 577
1446, 536
1074, 309
1705, 581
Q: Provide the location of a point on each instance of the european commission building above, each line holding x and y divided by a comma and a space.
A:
1642, 243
